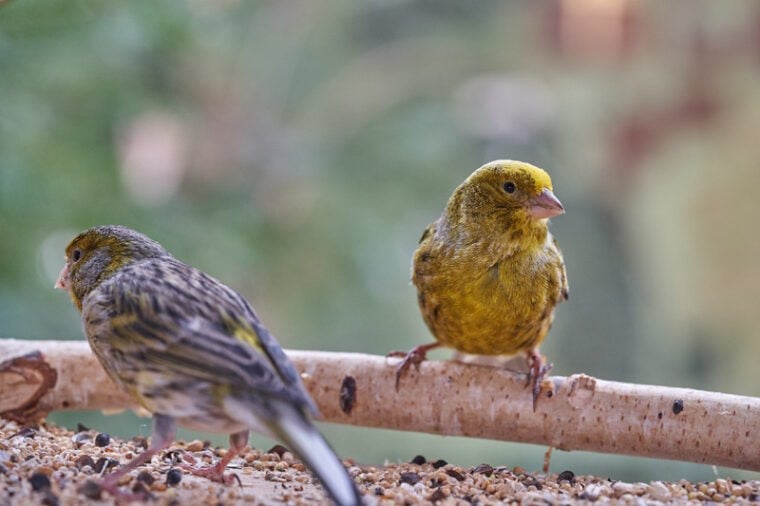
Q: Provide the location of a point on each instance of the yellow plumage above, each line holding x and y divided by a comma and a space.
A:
488, 272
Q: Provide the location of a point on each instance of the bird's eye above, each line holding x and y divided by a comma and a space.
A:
76, 255
509, 187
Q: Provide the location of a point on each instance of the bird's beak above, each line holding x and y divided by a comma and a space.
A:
545, 205
63, 278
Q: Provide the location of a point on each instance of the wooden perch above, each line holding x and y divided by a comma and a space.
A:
582, 413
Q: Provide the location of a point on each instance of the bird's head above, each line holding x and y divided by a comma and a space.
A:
97, 253
503, 194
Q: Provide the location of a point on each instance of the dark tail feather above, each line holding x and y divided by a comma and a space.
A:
301, 436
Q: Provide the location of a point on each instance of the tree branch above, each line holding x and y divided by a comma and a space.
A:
582, 413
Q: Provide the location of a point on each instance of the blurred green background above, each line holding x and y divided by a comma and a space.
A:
296, 150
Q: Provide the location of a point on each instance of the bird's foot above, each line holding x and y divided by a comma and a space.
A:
538, 369
214, 472
413, 357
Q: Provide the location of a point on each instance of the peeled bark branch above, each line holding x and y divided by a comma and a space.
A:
582, 413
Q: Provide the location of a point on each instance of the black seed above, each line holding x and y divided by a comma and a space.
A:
82, 428
146, 477
80, 438
84, 460
677, 406
437, 495
100, 464
379, 491
140, 442
410, 478
347, 397
102, 439
29, 432
279, 450
659, 415
419, 460
455, 474
485, 469
103, 462
533, 482
173, 456
566, 476
439, 463
39, 482
173, 477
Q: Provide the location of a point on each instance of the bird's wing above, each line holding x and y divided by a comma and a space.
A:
564, 293
421, 258
181, 319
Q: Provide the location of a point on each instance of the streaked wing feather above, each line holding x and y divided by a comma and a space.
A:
179, 318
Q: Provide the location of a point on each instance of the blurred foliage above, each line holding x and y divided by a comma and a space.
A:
296, 150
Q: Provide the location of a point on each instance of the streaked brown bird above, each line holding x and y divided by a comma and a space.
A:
192, 352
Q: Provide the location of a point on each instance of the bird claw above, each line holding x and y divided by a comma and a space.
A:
538, 369
213, 472
233, 477
413, 357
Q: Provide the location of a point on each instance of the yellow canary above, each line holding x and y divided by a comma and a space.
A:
488, 272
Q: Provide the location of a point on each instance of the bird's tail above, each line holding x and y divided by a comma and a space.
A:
301, 436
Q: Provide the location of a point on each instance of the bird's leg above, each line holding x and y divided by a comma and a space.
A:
215, 472
412, 357
537, 369
162, 436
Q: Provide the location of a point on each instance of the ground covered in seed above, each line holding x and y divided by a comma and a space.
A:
50, 465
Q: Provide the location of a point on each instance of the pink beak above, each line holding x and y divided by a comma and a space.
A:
545, 205
63, 279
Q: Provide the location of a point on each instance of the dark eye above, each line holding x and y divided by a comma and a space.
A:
76, 255
509, 187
